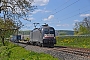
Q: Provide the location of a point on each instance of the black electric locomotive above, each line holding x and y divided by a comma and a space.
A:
44, 36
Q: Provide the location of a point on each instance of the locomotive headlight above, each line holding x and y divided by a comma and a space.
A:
54, 37
43, 37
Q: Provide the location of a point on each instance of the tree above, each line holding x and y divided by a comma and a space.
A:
86, 23
16, 9
82, 27
11, 11
15, 6
6, 28
82, 30
76, 28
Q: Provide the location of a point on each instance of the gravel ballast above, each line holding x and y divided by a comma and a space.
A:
59, 54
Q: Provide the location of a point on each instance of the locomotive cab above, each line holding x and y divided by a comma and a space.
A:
48, 34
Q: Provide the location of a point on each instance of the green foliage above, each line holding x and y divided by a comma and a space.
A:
74, 41
83, 30
23, 7
4, 52
82, 27
0, 43
15, 52
6, 28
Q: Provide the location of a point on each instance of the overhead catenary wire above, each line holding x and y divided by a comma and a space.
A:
75, 11
66, 7
70, 12
72, 15
75, 15
59, 6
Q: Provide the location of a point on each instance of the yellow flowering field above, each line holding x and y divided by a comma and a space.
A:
74, 41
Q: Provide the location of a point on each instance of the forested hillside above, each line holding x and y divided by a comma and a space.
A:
24, 32
64, 32
58, 32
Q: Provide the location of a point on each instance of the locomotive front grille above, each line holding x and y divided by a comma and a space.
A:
48, 41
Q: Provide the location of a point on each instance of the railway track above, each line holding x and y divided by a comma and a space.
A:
69, 50
76, 51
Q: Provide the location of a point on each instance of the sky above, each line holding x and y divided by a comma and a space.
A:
60, 14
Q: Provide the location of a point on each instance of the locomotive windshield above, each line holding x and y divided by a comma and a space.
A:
49, 31
46, 31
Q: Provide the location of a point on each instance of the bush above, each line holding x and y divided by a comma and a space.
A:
15, 52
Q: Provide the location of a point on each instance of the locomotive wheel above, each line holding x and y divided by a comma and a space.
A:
31, 43
34, 44
28, 43
40, 44
44, 45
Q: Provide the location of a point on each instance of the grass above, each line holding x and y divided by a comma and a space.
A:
15, 52
74, 41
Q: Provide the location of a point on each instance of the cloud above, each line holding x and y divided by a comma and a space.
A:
76, 20
40, 10
45, 19
58, 25
29, 19
40, 2
84, 15
63, 25
46, 11
73, 24
36, 11
30, 15
49, 18
29, 25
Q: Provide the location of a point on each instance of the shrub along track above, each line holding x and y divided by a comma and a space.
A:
64, 53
